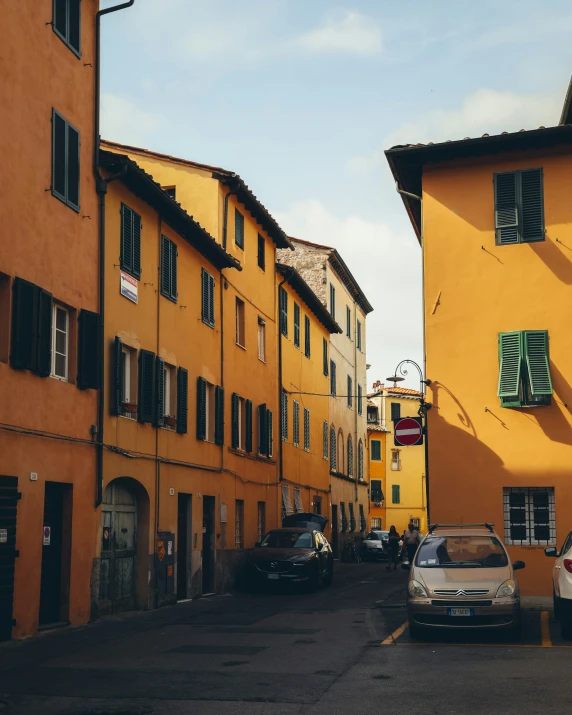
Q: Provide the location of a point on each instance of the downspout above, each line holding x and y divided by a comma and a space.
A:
355, 402
157, 460
101, 188
280, 387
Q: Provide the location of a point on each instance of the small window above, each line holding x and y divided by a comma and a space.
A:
395, 460
261, 522
306, 336
376, 493
65, 161
170, 396
306, 429
332, 301
170, 191
350, 390
395, 411
358, 335
296, 325
529, 516
261, 339
130, 259
299, 507
362, 521
325, 439
284, 415
261, 252
416, 521
325, 356
375, 450
240, 428
239, 524
240, 328
395, 494
283, 298
524, 369
348, 322
60, 342
238, 229
360, 460
359, 400
333, 388
375, 523
210, 413
169, 268
208, 310
66, 23
519, 207
352, 516
128, 375
343, 517
296, 423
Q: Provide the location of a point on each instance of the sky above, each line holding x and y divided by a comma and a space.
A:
302, 97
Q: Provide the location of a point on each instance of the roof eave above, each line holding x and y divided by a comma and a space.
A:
341, 268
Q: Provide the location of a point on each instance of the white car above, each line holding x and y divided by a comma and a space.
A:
562, 585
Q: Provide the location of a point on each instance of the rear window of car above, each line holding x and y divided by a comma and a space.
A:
374, 536
288, 540
455, 551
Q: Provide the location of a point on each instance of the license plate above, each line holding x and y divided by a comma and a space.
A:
274, 576
460, 611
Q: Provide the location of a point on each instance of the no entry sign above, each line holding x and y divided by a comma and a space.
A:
408, 431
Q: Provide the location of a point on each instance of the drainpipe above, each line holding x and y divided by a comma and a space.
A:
281, 461
101, 188
355, 402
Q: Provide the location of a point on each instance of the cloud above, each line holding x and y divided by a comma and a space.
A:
352, 34
387, 266
124, 122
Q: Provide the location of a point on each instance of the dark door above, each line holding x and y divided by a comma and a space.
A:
335, 523
56, 547
183, 550
208, 544
8, 512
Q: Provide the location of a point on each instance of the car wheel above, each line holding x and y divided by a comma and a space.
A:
328, 578
556, 602
415, 632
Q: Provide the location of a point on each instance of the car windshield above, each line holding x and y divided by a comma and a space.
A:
288, 540
375, 536
454, 551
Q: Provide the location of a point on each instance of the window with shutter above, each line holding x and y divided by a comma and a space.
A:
283, 301
395, 411
325, 439
169, 268
524, 369
536, 356
352, 516
519, 206
299, 507
207, 284
238, 229
358, 335
235, 421
296, 423
395, 494
359, 400
262, 436
306, 429
117, 377
350, 456
66, 23
325, 356
130, 256
159, 419
201, 408
333, 450
332, 378
376, 495
146, 401
240, 323
375, 447
88, 373
306, 336
261, 339
284, 415
332, 301
248, 426
31, 343
182, 399
348, 322
65, 161
60, 342
360, 460
269, 433
219, 415
261, 252
45, 337
296, 325
350, 390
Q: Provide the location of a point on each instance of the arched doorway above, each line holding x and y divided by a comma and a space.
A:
118, 563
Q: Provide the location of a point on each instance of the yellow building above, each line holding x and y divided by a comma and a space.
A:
494, 219
305, 326
404, 486
376, 455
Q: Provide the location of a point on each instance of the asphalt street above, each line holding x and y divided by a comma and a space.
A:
342, 650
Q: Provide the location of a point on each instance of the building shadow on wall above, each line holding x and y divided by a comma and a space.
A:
552, 420
556, 257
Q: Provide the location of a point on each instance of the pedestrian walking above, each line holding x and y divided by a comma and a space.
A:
411, 541
393, 548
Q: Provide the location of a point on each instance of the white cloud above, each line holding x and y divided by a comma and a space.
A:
124, 122
387, 266
352, 34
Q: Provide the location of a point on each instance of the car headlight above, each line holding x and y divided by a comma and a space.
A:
417, 589
506, 589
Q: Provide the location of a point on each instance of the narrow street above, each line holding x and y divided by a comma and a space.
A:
340, 650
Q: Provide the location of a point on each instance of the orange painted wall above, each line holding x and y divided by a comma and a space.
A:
476, 447
48, 243
377, 471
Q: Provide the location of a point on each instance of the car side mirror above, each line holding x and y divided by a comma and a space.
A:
517, 565
257, 544
551, 551
405, 565
319, 547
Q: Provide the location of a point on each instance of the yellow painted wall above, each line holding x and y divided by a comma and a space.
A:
476, 447
377, 471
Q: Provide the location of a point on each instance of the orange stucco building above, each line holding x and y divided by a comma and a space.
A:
495, 225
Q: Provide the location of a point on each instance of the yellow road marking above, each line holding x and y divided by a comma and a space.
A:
544, 630
395, 635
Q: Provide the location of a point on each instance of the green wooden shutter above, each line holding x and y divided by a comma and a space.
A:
306, 336
74, 27
58, 156
60, 18
165, 267
283, 311
182, 400
296, 325
284, 415
269, 432
532, 205
117, 378
136, 245
24, 306
211, 300
306, 429
72, 166
325, 356
159, 420
238, 228
395, 494
536, 355
146, 402
261, 252
248, 426
201, 408
234, 417
219, 415
205, 296
332, 301
510, 357
262, 438
126, 254
506, 211
376, 451
173, 270
44, 333
89, 352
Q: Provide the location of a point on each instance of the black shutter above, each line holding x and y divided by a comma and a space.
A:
24, 306
182, 400
126, 258
72, 164
146, 386
208, 298
262, 438
159, 420
58, 156
261, 252
88, 362
74, 33
532, 205
269, 432
235, 433
307, 336
117, 375
136, 245
201, 408
44, 334
325, 356
248, 426
60, 19
173, 270
219, 415
211, 300
506, 211
165, 267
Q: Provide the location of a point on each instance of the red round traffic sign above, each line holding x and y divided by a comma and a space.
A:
408, 431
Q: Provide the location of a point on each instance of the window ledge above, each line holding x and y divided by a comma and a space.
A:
238, 345
251, 455
209, 325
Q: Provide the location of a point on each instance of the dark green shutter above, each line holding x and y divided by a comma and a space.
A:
395, 494
235, 433
58, 156
73, 172
296, 325
44, 334
24, 312
532, 205
325, 356
376, 452
207, 285
510, 357
60, 18
283, 302
173, 267
269, 432
262, 438
165, 267
74, 32
182, 399
248, 426
201, 408
506, 208
219, 415
88, 367
238, 228
136, 245
307, 336
211, 299
261, 252
350, 390
146, 402
536, 355
117, 378
126, 256
159, 420
359, 400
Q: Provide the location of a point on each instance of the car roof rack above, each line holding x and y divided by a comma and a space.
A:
487, 524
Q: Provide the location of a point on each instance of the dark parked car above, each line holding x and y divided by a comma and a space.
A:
374, 546
298, 553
